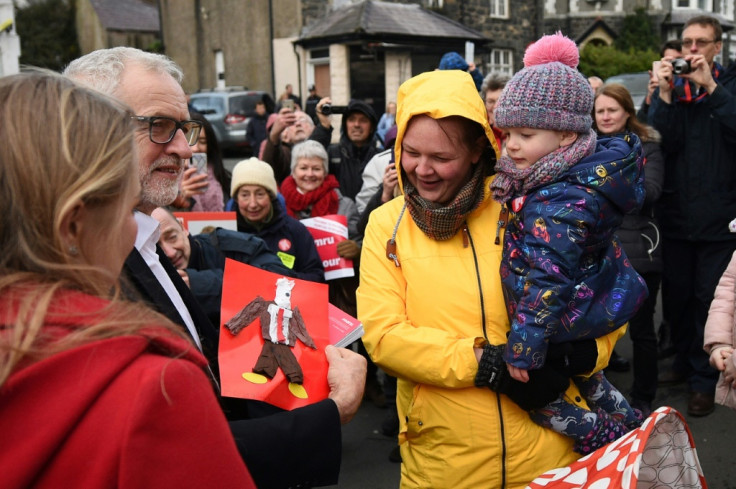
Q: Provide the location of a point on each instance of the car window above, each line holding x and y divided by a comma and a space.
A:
208, 104
636, 83
243, 104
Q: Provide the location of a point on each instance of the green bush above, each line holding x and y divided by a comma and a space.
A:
48, 38
605, 61
633, 50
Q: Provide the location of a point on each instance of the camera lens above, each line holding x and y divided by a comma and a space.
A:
680, 66
326, 109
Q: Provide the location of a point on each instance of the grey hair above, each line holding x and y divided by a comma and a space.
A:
309, 149
304, 117
103, 69
493, 81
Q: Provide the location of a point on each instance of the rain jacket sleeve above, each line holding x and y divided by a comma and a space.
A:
421, 353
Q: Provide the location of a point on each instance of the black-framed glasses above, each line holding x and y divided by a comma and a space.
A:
162, 130
700, 43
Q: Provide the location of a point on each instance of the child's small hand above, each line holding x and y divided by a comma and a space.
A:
517, 373
729, 371
719, 355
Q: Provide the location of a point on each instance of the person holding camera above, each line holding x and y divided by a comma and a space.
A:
672, 48
292, 127
694, 109
358, 143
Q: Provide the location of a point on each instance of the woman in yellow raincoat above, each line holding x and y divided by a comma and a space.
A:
430, 298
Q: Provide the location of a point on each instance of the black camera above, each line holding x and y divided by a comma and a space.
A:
328, 109
681, 66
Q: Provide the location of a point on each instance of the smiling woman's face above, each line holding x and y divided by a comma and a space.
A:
309, 174
435, 157
254, 202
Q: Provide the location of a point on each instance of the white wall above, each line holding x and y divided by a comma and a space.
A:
9, 40
286, 68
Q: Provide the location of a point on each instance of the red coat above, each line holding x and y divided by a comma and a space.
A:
116, 413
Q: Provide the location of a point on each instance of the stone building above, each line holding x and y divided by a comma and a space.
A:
110, 23
366, 48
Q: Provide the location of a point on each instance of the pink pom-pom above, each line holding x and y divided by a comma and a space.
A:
555, 47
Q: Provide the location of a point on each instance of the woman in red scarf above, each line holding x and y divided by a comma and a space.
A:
312, 192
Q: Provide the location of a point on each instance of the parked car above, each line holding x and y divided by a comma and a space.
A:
228, 110
636, 83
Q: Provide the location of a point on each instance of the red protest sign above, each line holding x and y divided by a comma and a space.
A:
327, 232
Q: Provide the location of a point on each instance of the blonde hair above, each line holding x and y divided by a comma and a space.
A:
62, 144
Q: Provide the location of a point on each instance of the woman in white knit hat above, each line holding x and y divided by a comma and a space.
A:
260, 212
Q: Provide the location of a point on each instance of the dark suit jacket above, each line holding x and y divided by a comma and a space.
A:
299, 448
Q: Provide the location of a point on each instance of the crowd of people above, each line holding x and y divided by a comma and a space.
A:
504, 232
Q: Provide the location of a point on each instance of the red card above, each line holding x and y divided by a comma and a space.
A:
195, 222
239, 353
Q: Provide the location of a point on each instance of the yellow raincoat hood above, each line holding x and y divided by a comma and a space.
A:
418, 96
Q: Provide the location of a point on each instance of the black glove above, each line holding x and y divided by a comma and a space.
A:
544, 386
572, 357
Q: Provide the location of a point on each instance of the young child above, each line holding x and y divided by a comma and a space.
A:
720, 333
564, 273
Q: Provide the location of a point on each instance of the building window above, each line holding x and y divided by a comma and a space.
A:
500, 9
706, 5
502, 62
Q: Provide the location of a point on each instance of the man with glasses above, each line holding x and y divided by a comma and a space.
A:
299, 447
695, 111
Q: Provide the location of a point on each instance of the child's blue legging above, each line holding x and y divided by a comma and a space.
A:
576, 422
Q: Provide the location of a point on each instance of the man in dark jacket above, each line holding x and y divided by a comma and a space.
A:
255, 130
200, 259
358, 144
695, 112
306, 440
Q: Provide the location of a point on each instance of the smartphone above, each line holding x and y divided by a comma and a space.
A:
655, 69
199, 160
288, 103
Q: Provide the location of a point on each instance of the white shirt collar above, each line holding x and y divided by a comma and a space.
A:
148, 231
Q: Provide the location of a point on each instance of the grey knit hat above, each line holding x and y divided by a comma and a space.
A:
549, 92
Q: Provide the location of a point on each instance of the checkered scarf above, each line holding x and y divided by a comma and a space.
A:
441, 222
511, 182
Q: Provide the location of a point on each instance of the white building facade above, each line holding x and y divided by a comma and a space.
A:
9, 40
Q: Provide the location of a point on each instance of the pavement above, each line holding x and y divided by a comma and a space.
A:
365, 463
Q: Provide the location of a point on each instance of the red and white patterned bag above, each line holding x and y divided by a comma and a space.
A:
658, 455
